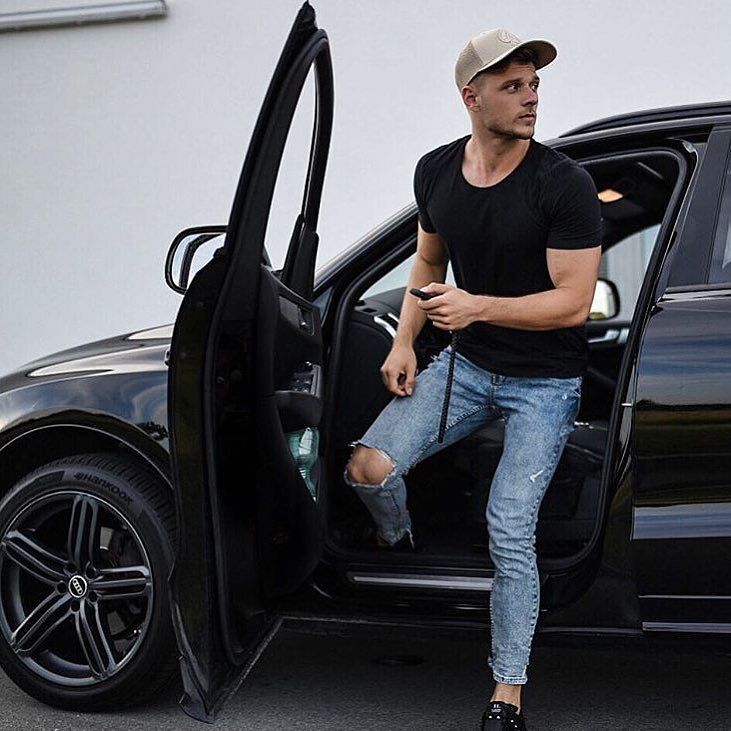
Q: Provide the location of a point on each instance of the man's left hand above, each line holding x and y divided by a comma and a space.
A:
451, 309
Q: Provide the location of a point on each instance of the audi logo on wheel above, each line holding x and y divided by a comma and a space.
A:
77, 586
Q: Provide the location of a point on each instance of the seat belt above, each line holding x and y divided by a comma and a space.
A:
448, 388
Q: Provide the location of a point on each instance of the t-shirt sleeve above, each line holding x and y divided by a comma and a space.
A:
420, 196
574, 211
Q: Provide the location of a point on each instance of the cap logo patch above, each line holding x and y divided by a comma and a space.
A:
507, 37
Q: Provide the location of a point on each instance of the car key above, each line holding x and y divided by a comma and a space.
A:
421, 294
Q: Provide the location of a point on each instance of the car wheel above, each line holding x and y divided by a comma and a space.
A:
85, 552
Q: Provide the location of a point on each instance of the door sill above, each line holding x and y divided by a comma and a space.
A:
403, 580
723, 628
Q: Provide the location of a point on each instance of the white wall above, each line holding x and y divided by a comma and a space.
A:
114, 137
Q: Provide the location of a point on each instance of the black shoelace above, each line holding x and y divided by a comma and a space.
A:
448, 388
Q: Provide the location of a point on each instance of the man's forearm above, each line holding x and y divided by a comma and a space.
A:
412, 319
554, 308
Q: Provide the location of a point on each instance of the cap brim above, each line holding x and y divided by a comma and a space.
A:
545, 51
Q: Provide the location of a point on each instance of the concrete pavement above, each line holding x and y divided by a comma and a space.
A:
353, 677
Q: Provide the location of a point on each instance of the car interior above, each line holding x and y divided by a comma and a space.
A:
447, 492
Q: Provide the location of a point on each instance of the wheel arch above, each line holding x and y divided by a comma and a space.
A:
38, 444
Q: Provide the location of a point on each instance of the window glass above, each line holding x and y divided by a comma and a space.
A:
399, 277
720, 270
625, 265
290, 185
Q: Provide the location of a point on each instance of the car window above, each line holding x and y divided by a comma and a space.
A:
720, 269
292, 176
399, 277
625, 265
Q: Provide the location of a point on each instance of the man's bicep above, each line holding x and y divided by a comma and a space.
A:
576, 269
431, 248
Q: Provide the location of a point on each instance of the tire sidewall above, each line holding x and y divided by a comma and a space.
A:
122, 493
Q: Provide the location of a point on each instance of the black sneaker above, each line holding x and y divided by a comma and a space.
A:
501, 716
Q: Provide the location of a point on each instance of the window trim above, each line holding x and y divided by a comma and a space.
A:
704, 197
706, 287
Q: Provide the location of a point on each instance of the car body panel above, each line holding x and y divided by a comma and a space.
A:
114, 388
681, 538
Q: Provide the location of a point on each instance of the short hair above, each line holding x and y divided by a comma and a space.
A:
520, 55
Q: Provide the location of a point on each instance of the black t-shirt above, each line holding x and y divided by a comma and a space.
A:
497, 239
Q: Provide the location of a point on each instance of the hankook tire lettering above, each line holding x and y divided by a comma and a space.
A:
101, 482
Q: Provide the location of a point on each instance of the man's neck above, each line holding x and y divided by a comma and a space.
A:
488, 155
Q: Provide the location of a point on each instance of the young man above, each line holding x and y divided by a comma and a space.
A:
521, 224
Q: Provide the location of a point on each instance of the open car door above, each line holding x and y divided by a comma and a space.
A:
245, 401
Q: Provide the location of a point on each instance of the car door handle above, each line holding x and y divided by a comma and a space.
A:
608, 337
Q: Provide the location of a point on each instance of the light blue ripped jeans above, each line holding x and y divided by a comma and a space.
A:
539, 415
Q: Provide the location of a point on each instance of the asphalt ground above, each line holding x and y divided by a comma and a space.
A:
317, 677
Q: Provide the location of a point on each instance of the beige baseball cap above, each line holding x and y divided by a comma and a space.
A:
492, 46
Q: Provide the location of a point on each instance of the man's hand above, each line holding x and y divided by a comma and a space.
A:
452, 308
399, 370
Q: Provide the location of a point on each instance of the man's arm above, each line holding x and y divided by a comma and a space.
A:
430, 265
574, 273
398, 371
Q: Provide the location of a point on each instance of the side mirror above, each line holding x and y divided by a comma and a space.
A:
606, 300
183, 250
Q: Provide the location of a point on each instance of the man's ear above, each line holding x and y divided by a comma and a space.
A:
469, 97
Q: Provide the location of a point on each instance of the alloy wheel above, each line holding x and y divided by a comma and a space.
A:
76, 590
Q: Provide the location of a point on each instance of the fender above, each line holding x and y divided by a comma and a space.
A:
43, 437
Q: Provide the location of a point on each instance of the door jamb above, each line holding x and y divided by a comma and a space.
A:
342, 303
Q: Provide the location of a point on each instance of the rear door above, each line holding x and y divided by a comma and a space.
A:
245, 401
681, 538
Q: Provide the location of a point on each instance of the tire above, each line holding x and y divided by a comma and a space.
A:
86, 546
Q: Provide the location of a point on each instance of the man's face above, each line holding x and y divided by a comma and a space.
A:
507, 100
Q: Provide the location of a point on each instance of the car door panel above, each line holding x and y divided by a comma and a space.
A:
683, 446
201, 628
289, 389
245, 388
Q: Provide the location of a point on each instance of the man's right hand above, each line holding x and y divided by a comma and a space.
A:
399, 370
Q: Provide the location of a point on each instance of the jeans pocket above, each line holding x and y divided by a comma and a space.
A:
568, 385
573, 398
576, 401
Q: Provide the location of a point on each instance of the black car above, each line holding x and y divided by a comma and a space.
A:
169, 495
